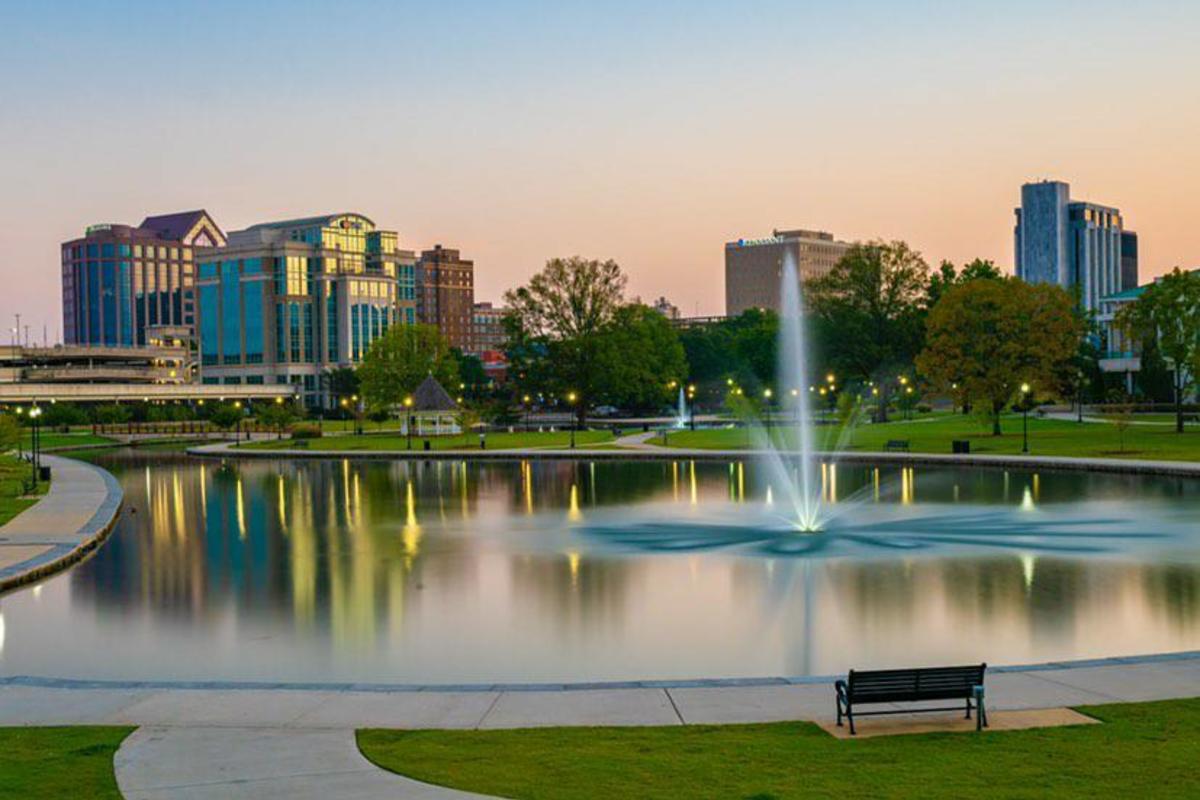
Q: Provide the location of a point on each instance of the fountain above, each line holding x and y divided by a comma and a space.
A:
681, 415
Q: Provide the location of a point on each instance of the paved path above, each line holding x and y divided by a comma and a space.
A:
73, 517
207, 763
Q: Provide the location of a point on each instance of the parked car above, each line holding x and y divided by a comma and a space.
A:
606, 411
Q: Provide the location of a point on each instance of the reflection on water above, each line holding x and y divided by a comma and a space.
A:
549, 571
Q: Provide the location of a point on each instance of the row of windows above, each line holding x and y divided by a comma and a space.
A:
125, 251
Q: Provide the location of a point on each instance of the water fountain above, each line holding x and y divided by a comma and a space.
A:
681, 415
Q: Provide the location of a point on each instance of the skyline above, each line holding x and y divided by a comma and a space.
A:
662, 134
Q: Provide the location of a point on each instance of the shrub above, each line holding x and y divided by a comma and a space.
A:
924, 408
305, 430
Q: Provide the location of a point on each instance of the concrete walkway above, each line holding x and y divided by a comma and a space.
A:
207, 763
67, 523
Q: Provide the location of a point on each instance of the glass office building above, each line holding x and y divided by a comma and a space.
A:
284, 302
118, 280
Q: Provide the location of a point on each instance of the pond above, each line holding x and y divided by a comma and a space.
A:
447, 572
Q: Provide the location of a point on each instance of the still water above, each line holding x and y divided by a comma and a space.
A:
453, 572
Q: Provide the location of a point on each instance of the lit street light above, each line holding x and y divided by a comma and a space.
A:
408, 420
1025, 416
571, 403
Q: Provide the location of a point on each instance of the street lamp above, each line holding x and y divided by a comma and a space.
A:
408, 423
35, 443
767, 409
571, 402
525, 403
1025, 416
692, 405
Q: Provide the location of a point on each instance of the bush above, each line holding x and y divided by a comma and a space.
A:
306, 430
924, 408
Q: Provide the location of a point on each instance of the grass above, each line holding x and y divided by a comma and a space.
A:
59, 762
934, 434
1142, 750
13, 500
54, 439
390, 441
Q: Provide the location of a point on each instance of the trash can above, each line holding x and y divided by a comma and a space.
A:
961, 446
426, 444
43, 473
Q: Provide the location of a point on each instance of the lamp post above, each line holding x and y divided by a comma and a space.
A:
358, 409
525, 406
1025, 417
692, 405
408, 420
571, 402
767, 409
35, 444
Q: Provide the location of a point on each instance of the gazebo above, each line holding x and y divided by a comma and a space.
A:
433, 411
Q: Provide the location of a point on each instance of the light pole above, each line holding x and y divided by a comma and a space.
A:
35, 444
692, 405
767, 409
525, 406
1025, 417
408, 420
571, 402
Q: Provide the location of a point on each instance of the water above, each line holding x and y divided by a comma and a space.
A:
681, 415
448, 572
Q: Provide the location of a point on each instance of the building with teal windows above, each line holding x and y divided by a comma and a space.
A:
285, 302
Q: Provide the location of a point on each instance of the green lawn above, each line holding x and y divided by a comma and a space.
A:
74, 439
389, 441
1142, 750
13, 499
59, 762
933, 435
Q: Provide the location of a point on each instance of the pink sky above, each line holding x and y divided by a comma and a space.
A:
649, 136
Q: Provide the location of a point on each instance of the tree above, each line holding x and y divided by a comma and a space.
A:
398, 361
277, 415
554, 323
867, 312
637, 356
342, 382
1120, 414
947, 277
226, 416
10, 433
1168, 314
743, 348
471, 373
990, 336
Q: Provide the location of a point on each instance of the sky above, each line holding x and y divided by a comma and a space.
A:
646, 132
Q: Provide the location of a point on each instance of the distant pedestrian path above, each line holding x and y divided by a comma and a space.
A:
73, 518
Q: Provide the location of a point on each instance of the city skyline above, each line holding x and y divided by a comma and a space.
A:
657, 137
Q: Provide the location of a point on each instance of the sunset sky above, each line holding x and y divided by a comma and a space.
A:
646, 132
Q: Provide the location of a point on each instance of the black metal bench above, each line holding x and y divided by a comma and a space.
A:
896, 445
912, 686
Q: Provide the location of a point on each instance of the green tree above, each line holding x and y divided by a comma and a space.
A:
638, 355
276, 415
398, 361
10, 433
743, 348
867, 313
341, 382
112, 414
990, 336
947, 277
554, 322
1168, 313
225, 416
471, 373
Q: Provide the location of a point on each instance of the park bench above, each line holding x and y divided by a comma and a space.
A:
912, 686
896, 445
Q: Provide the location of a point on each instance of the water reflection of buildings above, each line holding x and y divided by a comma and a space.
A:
363, 552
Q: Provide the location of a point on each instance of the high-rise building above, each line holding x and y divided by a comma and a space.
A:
754, 267
1075, 244
487, 329
284, 302
118, 281
446, 294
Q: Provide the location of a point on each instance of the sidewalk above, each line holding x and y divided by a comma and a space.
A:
69, 521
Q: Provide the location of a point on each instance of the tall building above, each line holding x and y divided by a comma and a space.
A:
1075, 244
283, 302
118, 281
754, 267
487, 329
446, 294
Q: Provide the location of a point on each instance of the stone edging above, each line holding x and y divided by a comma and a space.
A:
698, 683
59, 557
1031, 462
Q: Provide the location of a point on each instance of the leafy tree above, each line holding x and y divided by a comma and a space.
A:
398, 361
637, 356
1168, 313
112, 414
990, 336
341, 382
947, 277
867, 312
1120, 414
57, 414
225, 416
743, 348
471, 372
277, 415
10, 433
554, 322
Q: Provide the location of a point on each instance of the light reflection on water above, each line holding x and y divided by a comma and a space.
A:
557, 571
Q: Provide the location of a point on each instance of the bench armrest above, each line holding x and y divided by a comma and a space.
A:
839, 686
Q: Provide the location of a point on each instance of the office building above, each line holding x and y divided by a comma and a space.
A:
487, 329
754, 267
446, 294
1079, 245
284, 302
118, 281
